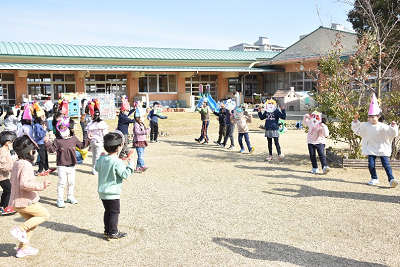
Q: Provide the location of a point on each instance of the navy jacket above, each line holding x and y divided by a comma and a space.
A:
272, 118
221, 116
123, 121
154, 117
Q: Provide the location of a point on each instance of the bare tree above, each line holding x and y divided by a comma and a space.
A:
380, 20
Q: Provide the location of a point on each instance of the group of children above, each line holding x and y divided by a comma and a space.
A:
17, 177
376, 136
20, 187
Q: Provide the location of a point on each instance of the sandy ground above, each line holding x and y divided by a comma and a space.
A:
201, 205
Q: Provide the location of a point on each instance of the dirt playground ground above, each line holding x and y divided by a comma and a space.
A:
202, 205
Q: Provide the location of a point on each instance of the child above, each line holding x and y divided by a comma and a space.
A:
39, 133
82, 118
10, 121
97, 128
205, 118
230, 128
241, 120
26, 123
376, 141
6, 162
123, 126
271, 116
316, 139
139, 139
112, 171
153, 116
24, 198
64, 145
222, 122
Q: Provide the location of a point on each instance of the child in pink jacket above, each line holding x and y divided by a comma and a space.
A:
139, 140
24, 198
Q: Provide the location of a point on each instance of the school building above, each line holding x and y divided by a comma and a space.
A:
44, 71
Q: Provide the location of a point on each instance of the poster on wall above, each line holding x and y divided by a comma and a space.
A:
107, 104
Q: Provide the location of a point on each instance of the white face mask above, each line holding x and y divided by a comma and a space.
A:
10, 147
65, 134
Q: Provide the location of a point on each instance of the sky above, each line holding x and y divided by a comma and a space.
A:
205, 24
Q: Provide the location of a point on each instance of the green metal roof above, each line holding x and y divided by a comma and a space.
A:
123, 52
32, 66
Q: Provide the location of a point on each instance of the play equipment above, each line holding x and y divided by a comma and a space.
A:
206, 97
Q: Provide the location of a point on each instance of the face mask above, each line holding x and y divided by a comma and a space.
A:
270, 107
316, 118
65, 134
10, 147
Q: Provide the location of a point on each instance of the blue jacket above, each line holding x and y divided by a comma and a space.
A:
123, 122
39, 134
154, 117
272, 118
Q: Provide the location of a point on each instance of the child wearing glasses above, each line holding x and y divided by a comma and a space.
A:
316, 139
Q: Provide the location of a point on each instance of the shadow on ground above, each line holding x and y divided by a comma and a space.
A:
271, 251
299, 191
7, 250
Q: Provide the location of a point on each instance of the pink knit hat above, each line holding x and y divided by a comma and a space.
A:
374, 106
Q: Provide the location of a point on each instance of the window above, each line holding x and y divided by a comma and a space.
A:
42, 86
158, 83
192, 84
107, 84
7, 89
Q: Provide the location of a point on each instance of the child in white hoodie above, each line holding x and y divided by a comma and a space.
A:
376, 141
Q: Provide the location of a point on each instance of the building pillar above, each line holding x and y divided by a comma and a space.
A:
21, 85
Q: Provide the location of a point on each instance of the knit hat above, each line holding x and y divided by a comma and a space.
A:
374, 106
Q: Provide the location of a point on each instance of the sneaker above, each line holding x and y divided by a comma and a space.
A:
269, 158
60, 203
72, 200
8, 210
151, 141
373, 182
117, 236
393, 183
106, 235
29, 251
156, 141
51, 170
325, 169
43, 173
218, 144
138, 170
314, 170
280, 157
144, 168
204, 143
222, 145
19, 234
231, 147
241, 151
94, 172
197, 140
252, 150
